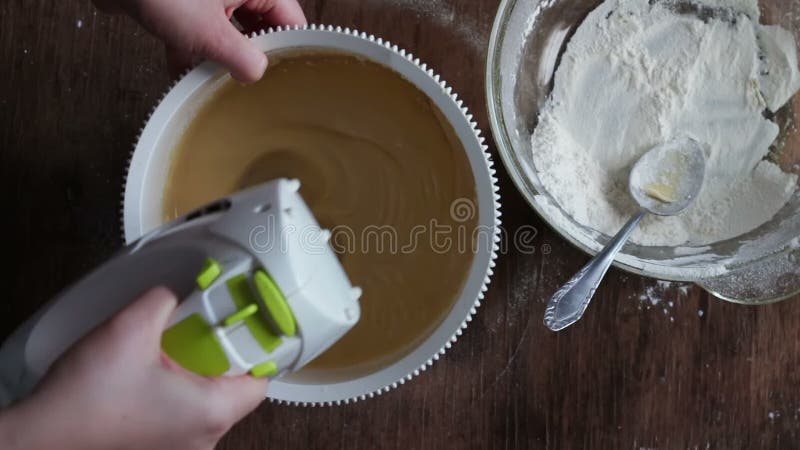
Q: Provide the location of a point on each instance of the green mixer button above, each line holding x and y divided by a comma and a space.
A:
242, 295
192, 344
265, 369
210, 271
276, 303
240, 315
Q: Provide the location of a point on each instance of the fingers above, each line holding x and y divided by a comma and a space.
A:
234, 51
228, 47
191, 32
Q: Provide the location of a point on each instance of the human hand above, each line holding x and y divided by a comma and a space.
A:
116, 389
193, 29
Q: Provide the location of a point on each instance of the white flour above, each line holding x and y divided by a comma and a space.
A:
635, 75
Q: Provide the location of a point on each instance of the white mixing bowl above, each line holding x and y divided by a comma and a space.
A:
150, 165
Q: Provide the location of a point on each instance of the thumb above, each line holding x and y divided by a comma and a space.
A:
142, 322
233, 50
238, 395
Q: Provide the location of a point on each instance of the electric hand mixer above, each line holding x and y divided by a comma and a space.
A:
263, 292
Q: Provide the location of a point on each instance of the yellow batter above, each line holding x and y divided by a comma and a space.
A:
377, 164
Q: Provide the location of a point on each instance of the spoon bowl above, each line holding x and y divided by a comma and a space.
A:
667, 179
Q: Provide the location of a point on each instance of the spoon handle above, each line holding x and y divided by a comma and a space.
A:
570, 301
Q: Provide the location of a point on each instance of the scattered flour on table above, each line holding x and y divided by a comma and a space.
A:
442, 13
635, 75
654, 294
657, 297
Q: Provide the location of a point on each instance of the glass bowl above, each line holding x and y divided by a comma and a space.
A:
527, 40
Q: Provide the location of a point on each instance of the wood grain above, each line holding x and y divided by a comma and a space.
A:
75, 87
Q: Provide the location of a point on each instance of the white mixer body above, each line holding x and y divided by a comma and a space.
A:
263, 292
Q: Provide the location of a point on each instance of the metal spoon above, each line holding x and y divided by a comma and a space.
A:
664, 181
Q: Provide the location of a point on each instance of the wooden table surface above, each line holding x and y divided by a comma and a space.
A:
652, 365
